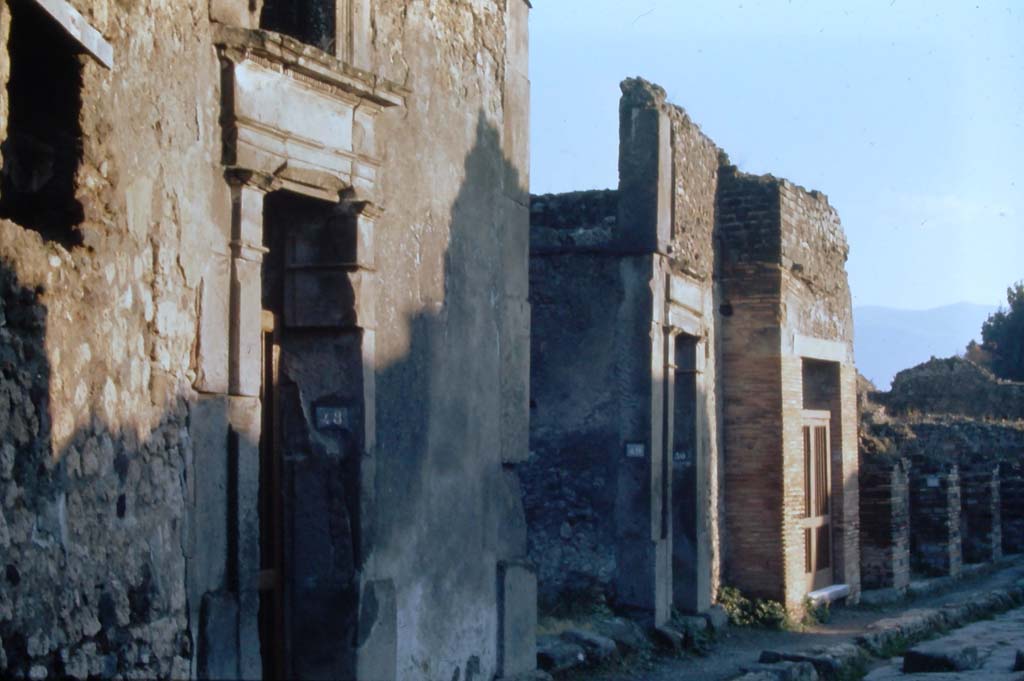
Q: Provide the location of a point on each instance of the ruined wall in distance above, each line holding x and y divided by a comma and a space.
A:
954, 386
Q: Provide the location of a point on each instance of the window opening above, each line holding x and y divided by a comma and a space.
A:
43, 147
313, 22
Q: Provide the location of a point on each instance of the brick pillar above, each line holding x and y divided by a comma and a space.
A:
935, 547
979, 486
885, 523
1011, 492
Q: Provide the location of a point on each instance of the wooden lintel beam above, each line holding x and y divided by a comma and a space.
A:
78, 28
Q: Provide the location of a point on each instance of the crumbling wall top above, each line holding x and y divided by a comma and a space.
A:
640, 93
574, 221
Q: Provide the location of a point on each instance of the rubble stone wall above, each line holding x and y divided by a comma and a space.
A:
954, 386
99, 454
569, 480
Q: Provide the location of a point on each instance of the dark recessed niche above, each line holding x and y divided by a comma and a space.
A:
310, 21
43, 147
725, 309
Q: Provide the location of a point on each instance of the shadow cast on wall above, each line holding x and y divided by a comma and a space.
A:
114, 542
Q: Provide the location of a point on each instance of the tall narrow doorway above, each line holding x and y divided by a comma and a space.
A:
686, 463
817, 523
310, 449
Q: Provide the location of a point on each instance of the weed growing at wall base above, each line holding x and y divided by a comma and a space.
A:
757, 612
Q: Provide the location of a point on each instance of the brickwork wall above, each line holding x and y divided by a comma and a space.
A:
884, 523
751, 374
777, 239
935, 539
1011, 497
981, 512
752, 383
817, 304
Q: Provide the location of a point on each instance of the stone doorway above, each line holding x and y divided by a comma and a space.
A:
312, 424
688, 549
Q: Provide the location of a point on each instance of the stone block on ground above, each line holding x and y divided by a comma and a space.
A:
785, 671
557, 655
596, 647
940, 656
669, 638
528, 676
627, 634
717, 617
692, 623
831, 662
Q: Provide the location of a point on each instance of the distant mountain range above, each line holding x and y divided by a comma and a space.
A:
888, 340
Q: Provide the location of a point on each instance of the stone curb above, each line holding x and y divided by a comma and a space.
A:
835, 662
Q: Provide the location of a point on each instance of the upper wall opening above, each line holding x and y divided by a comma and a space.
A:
313, 22
43, 146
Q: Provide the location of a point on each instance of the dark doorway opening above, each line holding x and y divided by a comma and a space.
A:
310, 21
43, 147
685, 466
311, 443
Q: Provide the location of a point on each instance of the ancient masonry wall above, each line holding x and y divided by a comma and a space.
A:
783, 260
818, 328
981, 513
627, 275
752, 383
1011, 497
453, 330
99, 457
954, 386
129, 541
935, 539
884, 523
568, 481
697, 481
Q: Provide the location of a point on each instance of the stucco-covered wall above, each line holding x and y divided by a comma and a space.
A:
123, 551
452, 329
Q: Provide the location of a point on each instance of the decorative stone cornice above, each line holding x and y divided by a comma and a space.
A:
308, 64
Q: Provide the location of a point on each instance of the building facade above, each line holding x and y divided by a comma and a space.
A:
264, 339
692, 383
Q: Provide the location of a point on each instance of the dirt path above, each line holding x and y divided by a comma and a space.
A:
741, 647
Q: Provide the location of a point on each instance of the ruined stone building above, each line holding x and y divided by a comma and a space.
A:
693, 396
941, 470
263, 339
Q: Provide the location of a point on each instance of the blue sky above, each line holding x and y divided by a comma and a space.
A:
908, 115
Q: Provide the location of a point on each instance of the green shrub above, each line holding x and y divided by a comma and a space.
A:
757, 612
815, 613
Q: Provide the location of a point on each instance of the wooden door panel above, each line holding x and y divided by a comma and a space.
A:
817, 521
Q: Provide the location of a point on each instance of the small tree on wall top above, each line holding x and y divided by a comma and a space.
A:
1002, 336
